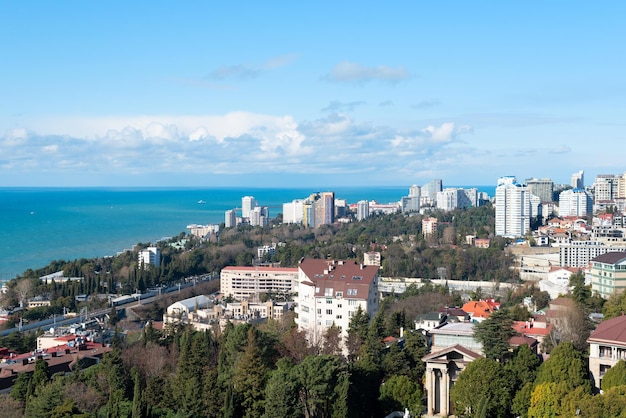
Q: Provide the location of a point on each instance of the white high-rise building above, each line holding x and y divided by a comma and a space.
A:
362, 210
150, 255
259, 216
543, 188
293, 212
578, 180
606, 187
415, 191
230, 218
513, 208
575, 202
248, 203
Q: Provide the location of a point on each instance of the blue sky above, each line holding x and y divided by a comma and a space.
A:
314, 94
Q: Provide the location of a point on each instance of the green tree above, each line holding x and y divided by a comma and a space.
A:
318, 378
483, 380
250, 377
400, 392
566, 366
494, 334
281, 392
615, 376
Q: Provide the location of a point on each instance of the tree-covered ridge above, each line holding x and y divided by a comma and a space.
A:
405, 253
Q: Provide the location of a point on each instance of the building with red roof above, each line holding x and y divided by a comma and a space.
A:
330, 292
607, 345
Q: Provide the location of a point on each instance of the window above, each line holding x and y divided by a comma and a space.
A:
329, 322
329, 311
329, 300
338, 316
319, 311
304, 308
339, 294
328, 292
339, 306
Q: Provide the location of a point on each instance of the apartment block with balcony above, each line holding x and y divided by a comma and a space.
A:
247, 283
607, 346
608, 274
330, 292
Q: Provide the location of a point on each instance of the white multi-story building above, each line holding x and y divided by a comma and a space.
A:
330, 292
245, 283
149, 256
362, 210
293, 212
575, 202
429, 226
580, 253
429, 192
513, 208
606, 187
578, 180
230, 220
248, 203
259, 216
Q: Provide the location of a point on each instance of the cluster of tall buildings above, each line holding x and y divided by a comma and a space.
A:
317, 209
517, 204
251, 213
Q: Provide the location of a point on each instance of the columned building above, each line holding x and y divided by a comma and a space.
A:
442, 369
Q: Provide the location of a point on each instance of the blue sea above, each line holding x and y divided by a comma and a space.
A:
38, 225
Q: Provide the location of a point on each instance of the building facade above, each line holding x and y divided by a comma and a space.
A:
247, 283
575, 202
230, 218
608, 274
248, 203
513, 208
542, 188
329, 293
607, 346
149, 256
362, 210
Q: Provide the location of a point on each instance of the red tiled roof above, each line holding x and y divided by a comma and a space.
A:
611, 330
340, 276
521, 327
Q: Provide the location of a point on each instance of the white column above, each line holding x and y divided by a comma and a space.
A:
445, 392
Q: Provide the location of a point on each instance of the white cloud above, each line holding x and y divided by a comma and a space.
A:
347, 71
251, 70
234, 143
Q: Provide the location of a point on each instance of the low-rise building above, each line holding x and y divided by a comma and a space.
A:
178, 312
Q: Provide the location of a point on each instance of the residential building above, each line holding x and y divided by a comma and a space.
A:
230, 218
607, 346
542, 188
362, 210
371, 258
479, 310
513, 208
149, 256
248, 203
429, 192
429, 226
580, 253
341, 208
330, 292
247, 283
203, 231
578, 180
265, 250
411, 203
575, 202
259, 216
293, 212
608, 274
58, 278
606, 187
324, 208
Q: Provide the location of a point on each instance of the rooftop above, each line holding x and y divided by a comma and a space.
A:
610, 331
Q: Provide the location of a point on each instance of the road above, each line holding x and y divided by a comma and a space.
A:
62, 320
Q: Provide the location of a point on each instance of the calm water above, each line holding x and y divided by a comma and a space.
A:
38, 225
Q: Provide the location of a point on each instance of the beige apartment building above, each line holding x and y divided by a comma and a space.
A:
247, 283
